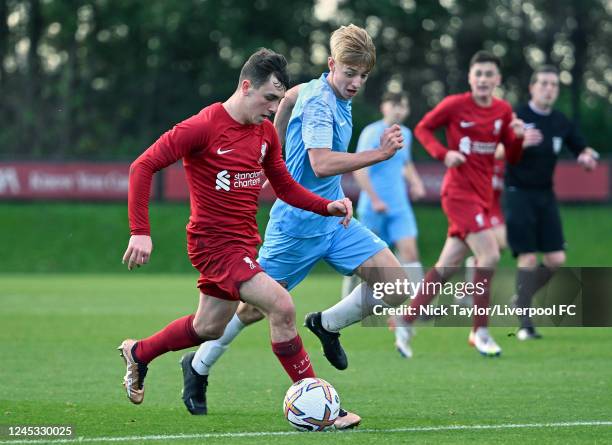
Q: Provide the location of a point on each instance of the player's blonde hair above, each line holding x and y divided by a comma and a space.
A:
353, 46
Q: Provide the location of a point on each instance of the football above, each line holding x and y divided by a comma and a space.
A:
311, 404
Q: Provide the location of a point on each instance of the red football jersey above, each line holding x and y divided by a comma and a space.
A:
475, 131
225, 162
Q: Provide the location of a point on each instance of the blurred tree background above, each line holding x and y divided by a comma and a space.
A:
101, 79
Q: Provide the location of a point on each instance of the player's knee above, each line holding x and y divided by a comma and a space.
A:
554, 260
527, 261
490, 259
249, 314
283, 314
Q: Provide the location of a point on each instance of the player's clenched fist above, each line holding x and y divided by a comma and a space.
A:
391, 141
453, 158
138, 251
342, 207
588, 159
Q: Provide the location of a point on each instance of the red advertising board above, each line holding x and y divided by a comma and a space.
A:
78, 180
109, 181
572, 183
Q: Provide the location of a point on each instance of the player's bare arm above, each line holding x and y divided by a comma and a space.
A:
363, 180
417, 189
326, 162
283, 114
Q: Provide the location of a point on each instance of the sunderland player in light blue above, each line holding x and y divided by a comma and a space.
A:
316, 119
384, 206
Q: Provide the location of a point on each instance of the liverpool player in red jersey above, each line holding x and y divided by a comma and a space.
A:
475, 123
226, 149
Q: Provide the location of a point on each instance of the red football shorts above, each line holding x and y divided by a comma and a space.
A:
465, 217
222, 269
496, 215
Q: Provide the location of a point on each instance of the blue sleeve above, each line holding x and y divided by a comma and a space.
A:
368, 139
317, 124
407, 144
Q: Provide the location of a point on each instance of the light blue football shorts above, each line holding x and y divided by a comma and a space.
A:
391, 227
288, 259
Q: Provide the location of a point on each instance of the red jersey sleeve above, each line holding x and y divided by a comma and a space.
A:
512, 144
169, 148
285, 187
436, 118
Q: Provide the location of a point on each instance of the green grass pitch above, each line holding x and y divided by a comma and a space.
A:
58, 365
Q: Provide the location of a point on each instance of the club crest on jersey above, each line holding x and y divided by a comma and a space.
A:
497, 126
250, 262
264, 147
557, 144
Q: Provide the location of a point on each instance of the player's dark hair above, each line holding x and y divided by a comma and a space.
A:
485, 57
395, 98
261, 65
542, 69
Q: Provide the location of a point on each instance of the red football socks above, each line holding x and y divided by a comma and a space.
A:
176, 336
294, 358
425, 295
482, 290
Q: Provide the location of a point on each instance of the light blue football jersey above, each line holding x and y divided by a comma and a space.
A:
319, 120
386, 177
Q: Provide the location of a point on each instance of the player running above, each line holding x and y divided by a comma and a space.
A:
225, 150
475, 123
318, 133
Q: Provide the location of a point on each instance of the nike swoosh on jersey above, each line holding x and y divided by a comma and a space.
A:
465, 124
222, 152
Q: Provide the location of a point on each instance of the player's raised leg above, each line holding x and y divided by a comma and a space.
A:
276, 303
381, 267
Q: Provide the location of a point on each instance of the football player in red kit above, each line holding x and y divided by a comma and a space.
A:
226, 149
475, 123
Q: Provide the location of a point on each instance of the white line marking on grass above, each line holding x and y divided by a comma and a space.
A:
416, 429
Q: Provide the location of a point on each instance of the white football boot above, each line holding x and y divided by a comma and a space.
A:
484, 343
403, 335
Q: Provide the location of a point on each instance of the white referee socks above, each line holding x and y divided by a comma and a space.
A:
209, 352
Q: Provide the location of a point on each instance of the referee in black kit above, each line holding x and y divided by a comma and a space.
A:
532, 216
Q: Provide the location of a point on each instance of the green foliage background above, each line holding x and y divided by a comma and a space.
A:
102, 79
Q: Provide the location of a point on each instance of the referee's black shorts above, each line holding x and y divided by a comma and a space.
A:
533, 222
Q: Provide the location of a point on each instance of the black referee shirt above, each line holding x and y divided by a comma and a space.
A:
537, 165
